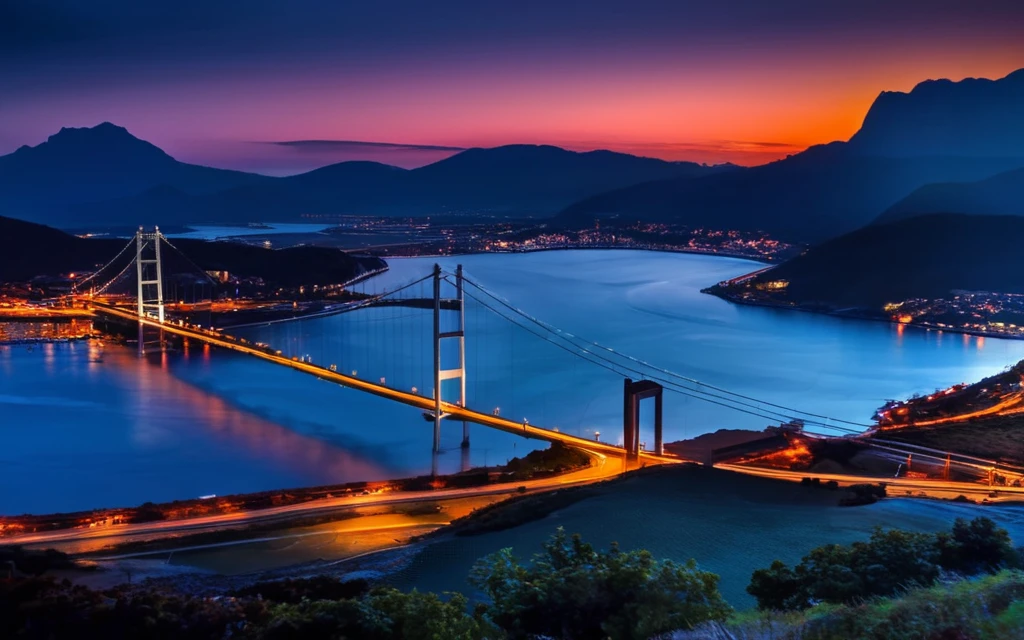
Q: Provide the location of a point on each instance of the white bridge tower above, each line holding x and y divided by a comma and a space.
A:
150, 275
440, 375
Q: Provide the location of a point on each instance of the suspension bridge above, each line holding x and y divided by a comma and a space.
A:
413, 341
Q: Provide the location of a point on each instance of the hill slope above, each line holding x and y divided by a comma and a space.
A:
921, 257
28, 250
833, 189
1002, 194
98, 163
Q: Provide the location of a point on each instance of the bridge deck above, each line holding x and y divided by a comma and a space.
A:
455, 411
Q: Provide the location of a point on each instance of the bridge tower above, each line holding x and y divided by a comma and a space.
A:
633, 393
150, 274
151, 241
440, 374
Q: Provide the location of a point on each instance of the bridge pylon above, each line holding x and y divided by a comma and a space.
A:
150, 276
633, 393
147, 265
440, 374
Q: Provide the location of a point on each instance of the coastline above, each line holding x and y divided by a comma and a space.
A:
717, 291
760, 259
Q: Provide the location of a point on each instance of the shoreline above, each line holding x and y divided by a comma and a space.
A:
761, 259
850, 315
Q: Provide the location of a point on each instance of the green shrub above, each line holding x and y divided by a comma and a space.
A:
891, 560
573, 591
975, 546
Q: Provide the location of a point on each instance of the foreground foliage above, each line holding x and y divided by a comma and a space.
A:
986, 608
573, 591
895, 585
890, 561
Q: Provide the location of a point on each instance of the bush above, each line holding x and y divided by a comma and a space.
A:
891, 560
572, 591
295, 590
386, 614
988, 608
975, 546
33, 562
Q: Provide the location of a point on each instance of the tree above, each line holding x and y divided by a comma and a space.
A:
778, 588
575, 592
975, 546
889, 561
385, 614
835, 573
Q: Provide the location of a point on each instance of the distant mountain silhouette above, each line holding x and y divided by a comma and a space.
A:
104, 175
921, 257
831, 189
1002, 194
518, 179
975, 117
28, 249
103, 162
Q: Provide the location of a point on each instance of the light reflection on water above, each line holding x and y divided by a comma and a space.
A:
79, 433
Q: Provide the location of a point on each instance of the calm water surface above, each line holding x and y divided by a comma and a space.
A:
86, 426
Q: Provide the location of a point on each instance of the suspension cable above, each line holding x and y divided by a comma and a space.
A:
621, 369
115, 259
570, 337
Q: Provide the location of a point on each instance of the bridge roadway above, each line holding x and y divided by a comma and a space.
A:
454, 411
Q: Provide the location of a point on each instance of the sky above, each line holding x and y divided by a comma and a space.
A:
282, 87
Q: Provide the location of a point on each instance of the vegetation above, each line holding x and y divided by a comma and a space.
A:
988, 608
573, 591
33, 562
996, 438
22, 244
895, 585
570, 591
890, 561
861, 494
557, 458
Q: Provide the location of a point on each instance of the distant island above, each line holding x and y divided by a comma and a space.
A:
946, 271
31, 250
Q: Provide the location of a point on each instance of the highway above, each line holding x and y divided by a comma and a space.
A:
456, 412
601, 468
933, 488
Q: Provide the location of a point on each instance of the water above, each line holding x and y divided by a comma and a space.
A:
80, 434
214, 232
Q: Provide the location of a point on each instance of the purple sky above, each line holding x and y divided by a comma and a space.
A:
740, 80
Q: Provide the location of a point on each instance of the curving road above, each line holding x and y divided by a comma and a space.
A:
602, 468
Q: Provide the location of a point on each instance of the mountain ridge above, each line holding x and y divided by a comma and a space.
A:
1001, 194
831, 189
105, 175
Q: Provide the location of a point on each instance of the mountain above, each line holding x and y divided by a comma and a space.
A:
1002, 194
976, 117
515, 179
922, 257
104, 175
104, 162
831, 189
28, 249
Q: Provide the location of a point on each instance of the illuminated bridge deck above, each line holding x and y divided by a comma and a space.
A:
453, 411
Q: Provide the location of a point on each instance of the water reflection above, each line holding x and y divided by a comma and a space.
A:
121, 430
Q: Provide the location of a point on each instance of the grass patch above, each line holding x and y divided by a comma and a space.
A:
998, 438
987, 608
